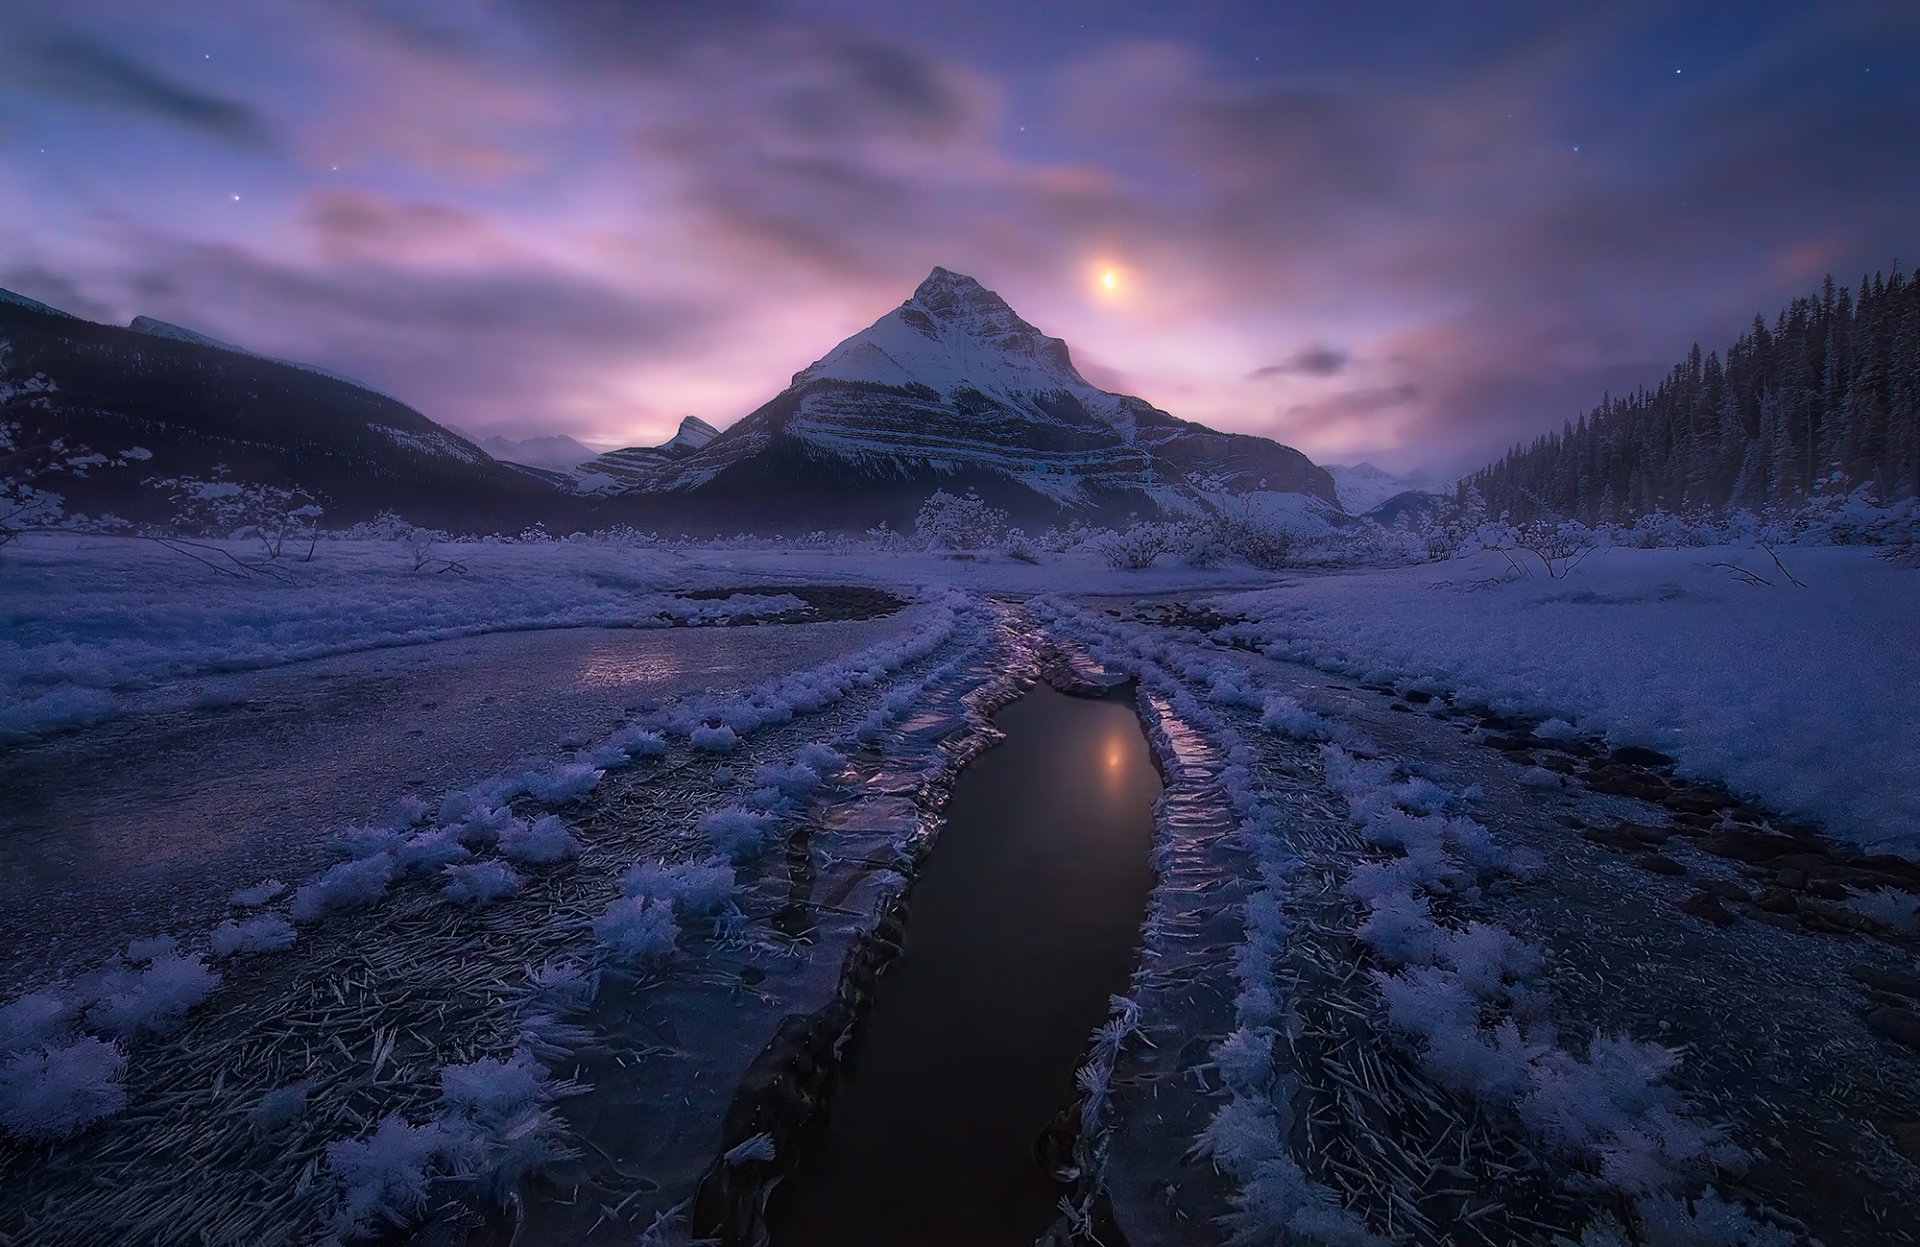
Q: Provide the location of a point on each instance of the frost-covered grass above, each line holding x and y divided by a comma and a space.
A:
1784, 694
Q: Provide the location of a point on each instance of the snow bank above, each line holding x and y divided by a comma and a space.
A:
1783, 694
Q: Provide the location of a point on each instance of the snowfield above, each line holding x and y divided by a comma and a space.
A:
613, 867
1799, 699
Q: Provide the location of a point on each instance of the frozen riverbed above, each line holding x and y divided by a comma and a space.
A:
146, 823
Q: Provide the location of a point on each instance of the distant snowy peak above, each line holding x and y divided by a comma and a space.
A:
952, 389
555, 452
692, 435
955, 336
631, 468
164, 329
1363, 487
33, 305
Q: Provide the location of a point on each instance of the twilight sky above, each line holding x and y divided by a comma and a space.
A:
1406, 232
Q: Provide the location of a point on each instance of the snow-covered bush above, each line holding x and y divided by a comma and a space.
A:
1020, 547
269, 933
1137, 546
54, 1092
959, 522
481, 883
887, 540
220, 506
1560, 545
542, 843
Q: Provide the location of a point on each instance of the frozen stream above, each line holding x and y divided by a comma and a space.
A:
143, 825
1026, 918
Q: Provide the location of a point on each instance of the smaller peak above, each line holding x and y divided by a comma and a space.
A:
692, 434
35, 305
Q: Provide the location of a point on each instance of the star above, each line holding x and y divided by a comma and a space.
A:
236, 199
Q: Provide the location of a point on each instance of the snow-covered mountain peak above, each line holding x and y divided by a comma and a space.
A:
692, 435
956, 336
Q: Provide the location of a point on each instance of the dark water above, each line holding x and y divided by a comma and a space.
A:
1025, 920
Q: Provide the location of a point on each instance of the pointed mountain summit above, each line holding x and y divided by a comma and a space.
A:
953, 390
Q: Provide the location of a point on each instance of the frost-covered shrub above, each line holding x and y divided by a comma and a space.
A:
480, 884
346, 885
740, 833
638, 930
259, 894
958, 522
1136, 547
154, 999
713, 739
384, 1179
54, 1092
563, 784
1202, 543
542, 843
1020, 547
268, 933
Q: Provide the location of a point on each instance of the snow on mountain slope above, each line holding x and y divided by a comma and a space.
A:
958, 337
1362, 487
952, 388
621, 469
34, 305
163, 329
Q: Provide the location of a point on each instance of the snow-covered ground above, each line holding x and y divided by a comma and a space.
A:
1800, 699
1364, 912
1796, 697
149, 821
88, 622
